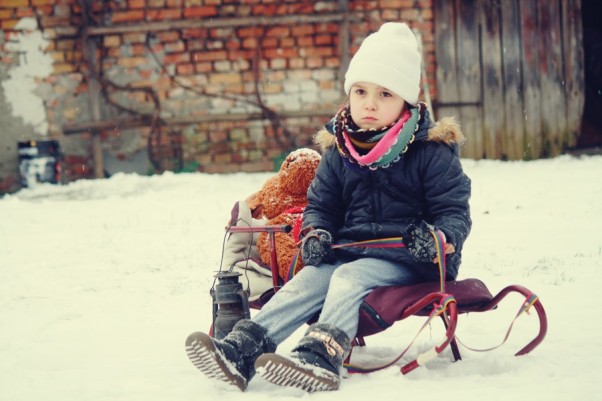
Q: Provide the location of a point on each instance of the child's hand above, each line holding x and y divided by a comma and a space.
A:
420, 243
449, 248
316, 248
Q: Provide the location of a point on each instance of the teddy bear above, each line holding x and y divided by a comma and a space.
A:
281, 201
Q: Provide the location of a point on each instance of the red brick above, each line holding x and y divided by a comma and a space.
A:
249, 43
112, 41
62, 68
241, 54
130, 62
221, 33
166, 14
225, 78
203, 68
282, 53
314, 62
332, 62
209, 55
25, 12
327, 28
137, 3
301, 30
233, 44
287, 42
317, 51
134, 37
15, 3
296, 63
265, 9
194, 33
396, 3
278, 31
176, 58
48, 22
250, 32
8, 24
127, 16
185, 69
192, 12
323, 40
269, 42
305, 41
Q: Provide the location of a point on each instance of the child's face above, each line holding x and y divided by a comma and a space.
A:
373, 106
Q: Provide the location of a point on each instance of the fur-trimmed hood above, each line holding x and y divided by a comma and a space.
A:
446, 130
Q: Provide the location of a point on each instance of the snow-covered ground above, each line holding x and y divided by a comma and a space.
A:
102, 281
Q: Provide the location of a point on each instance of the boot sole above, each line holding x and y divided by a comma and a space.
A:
282, 371
205, 357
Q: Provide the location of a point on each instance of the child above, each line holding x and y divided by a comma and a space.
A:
385, 172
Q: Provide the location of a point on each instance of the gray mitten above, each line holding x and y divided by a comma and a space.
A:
420, 242
316, 248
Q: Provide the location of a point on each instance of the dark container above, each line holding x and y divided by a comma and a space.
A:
39, 161
230, 303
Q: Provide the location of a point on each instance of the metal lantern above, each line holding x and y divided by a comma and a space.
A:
230, 303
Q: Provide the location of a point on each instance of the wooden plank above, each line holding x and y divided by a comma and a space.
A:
469, 76
237, 22
511, 64
572, 44
91, 55
493, 101
121, 124
445, 49
552, 80
530, 62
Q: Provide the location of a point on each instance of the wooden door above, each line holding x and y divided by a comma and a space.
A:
512, 72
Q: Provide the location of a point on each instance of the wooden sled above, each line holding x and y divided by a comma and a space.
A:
385, 306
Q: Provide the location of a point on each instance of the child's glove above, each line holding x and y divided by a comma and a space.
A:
420, 242
316, 248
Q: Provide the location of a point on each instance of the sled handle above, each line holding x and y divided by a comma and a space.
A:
541, 314
283, 228
271, 231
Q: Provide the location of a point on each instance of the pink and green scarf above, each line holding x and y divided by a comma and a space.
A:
377, 147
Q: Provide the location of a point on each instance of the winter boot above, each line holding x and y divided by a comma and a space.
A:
231, 359
314, 364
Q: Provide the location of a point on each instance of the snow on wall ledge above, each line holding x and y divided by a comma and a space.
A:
34, 65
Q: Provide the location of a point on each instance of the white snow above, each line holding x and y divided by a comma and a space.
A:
23, 79
101, 282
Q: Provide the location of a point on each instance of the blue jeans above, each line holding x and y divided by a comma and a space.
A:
337, 289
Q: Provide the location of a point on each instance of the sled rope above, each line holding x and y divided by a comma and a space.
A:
390, 242
524, 308
440, 245
438, 310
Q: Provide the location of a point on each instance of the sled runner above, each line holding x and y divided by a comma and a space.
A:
385, 306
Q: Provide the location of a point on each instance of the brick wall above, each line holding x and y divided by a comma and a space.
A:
199, 65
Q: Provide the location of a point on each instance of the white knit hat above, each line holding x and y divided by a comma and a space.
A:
388, 58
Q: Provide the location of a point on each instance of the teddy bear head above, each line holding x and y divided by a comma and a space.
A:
288, 188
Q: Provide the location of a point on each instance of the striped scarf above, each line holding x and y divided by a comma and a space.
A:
375, 147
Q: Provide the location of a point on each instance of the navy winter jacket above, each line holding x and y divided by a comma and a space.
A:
427, 183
